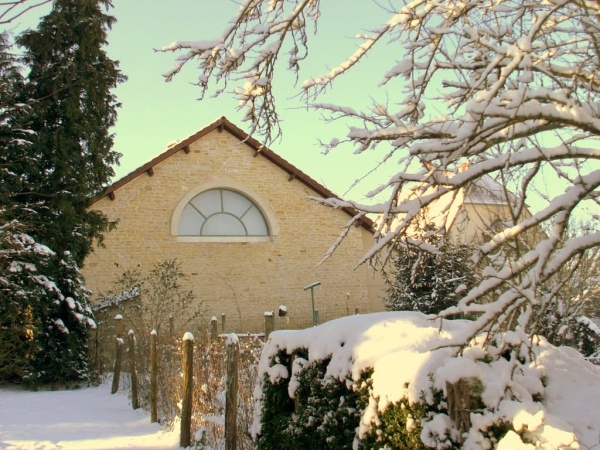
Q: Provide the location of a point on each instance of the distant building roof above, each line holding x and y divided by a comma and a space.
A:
487, 190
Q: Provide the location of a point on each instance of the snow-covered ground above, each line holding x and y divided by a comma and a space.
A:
402, 347
83, 419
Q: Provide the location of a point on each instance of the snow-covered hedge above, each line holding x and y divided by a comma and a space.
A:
371, 380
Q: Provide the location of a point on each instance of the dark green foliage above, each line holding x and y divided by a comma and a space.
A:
399, 424
69, 89
55, 155
277, 408
326, 415
582, 334
15, 160
578, 332
325, 412
67, 320
430, 282
400, 428
19, 287
43, 325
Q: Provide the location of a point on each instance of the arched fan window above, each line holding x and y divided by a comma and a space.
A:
222, 212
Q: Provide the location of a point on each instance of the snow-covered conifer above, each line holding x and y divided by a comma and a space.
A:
70, 81
429, 282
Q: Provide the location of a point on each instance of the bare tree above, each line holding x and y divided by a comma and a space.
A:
506, 88
12, 10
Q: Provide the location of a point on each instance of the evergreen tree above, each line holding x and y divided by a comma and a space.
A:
62, 353
430, 282
55, 155
43, 322
15, 160
44, 306
69, 86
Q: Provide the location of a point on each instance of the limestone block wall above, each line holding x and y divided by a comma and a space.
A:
239, 279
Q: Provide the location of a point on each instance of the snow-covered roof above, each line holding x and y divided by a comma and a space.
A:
443, 212
486, 190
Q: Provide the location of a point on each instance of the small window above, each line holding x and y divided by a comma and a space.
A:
222, 212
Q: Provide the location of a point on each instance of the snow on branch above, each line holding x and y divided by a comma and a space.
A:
474, 90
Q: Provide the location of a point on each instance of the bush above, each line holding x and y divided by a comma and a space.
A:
323, 412
578, 332
429, 282
394, 380
311, 410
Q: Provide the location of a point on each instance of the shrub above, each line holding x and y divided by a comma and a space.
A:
320, 412
394, 380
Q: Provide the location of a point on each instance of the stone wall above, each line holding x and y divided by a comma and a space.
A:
239, 279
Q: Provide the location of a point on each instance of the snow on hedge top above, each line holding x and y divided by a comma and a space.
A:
412, 355
403, 340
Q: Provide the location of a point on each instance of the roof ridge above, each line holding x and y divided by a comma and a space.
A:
224, 124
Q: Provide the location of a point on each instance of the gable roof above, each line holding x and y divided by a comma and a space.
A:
487, 190
221, 125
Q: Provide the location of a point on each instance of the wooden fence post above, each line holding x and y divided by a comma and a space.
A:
233, 350
223, 328
153, 378
213, 328
459, 405
269, 323
135, 404
187, 367
118, 354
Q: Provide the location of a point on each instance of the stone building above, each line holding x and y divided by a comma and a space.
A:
240, 220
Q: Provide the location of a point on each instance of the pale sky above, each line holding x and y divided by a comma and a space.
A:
155, 112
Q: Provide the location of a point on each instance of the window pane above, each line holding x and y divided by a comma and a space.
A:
255, 223
221, 212
223, 225
235, 203
190, 222
208, 203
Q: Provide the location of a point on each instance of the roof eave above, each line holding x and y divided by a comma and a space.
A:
223, 124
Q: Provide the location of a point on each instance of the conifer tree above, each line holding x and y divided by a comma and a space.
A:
55, 154
427, 281
61, 353
15, 160
69, 87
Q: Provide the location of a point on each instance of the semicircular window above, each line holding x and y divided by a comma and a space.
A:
221, 212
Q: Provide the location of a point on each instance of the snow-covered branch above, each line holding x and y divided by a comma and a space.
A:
475, 90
